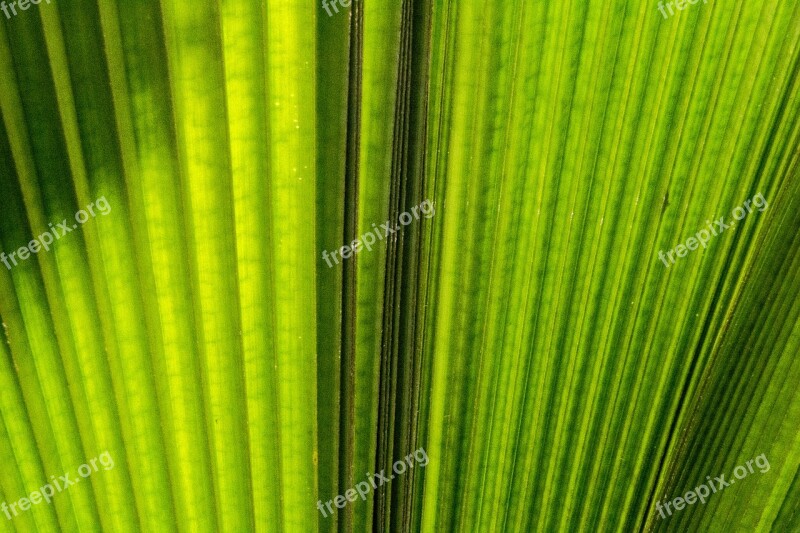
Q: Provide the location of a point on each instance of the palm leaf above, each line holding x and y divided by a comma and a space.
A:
547, 334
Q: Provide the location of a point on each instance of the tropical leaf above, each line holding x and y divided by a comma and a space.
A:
542, 256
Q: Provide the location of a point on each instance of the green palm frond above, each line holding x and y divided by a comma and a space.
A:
212, 299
